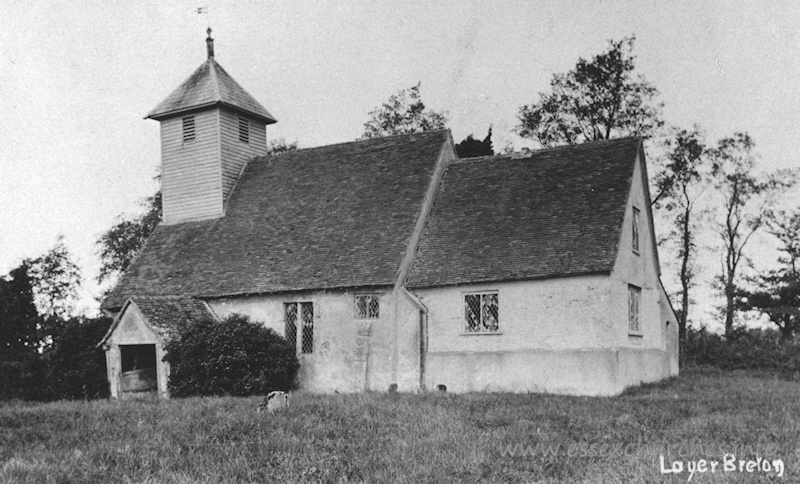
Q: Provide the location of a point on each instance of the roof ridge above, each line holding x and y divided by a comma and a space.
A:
214, 77
586, 143
531, 153
166, 296
342, 143
475, 159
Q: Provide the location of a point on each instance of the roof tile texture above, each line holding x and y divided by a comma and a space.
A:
209, 84
167, 314
557, 212
329, 217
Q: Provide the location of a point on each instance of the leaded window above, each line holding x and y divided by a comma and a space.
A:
367, 306
481, 312
634, 300
307, 311
299, 325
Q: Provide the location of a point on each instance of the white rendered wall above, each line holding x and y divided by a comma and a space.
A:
350, 354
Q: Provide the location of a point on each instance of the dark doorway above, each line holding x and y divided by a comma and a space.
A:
138, 368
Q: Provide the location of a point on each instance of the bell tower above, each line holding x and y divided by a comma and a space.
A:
210, 128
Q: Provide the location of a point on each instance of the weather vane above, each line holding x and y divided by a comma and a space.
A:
203, 11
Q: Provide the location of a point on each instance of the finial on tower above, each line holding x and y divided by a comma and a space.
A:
210, 44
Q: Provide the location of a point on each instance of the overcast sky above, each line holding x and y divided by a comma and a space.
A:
77, 78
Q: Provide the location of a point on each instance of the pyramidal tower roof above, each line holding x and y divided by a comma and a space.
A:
210, 85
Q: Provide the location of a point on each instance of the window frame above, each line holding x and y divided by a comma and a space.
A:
634, 310
635, 231
465, 328
303, 336
188, 129
356, 312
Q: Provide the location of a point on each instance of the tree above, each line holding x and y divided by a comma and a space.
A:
120, 244
778, 297
599, 99
786, 228
778, 292
18, 316
403, 113
471, 147
277, 146
746, 201
21, 368
77, 365
56, 279
679, 186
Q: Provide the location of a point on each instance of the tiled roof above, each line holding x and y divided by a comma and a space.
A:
209, 85
329, 217
556, 212
167, 314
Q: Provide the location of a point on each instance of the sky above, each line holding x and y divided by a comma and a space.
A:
77, 79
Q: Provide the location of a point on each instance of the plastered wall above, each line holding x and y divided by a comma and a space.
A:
350, 354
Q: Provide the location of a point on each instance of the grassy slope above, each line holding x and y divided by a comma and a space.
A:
409, 438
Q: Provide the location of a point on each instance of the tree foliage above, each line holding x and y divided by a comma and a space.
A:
47, 358
232, 357
19, 319
746, 201
56, 280
472, 147
679, 187
276, 146
403, 113
748, 349
785, 226
599, 99
777, 293
77, 365
120, 244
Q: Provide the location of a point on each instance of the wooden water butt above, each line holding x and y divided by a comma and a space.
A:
143, 380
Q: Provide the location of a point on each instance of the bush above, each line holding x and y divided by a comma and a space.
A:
77, 365
749, 349
71, 368
234, 357
24, 378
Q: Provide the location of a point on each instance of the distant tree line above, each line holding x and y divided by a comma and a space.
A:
47, 353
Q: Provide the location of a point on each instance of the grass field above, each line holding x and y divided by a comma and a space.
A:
373, 437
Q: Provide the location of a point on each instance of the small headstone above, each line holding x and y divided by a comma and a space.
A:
393, 388
274, 401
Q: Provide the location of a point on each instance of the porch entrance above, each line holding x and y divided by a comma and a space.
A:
138, 371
